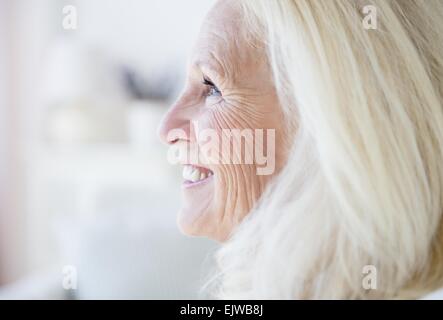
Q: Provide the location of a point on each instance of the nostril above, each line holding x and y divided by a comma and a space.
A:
174, 127
173, 141
163, 131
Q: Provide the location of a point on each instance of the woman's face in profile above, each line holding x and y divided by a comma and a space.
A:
229, 111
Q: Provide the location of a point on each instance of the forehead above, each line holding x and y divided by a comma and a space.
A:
225, 13
223, 45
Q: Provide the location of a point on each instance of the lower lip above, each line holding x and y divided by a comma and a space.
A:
189, 184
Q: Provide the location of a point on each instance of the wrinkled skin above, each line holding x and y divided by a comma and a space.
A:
238, 67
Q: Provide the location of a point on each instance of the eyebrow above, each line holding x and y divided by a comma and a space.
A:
209, 68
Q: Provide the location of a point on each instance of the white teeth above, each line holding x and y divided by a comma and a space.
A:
194, 174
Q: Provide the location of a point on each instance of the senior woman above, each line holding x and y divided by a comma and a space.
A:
352, 95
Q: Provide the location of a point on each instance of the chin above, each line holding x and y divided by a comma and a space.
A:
198, 189
200, 215
200, 224
211, 206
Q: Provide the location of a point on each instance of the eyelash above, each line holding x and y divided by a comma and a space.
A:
213, 90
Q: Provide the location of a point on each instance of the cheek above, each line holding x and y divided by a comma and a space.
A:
244, 126
219, 142
237, 185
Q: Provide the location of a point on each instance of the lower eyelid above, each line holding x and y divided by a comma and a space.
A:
214, 100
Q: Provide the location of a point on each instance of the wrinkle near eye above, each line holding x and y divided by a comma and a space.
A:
214, 102
210, 67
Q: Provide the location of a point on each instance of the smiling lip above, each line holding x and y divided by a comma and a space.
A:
195, 176
190, 184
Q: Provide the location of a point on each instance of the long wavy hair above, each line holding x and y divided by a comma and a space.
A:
363, 185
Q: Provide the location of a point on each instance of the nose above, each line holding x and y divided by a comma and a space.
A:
175, 125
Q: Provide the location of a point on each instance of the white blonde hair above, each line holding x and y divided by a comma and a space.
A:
363, 184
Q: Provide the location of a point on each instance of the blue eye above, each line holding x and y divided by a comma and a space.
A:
213, 90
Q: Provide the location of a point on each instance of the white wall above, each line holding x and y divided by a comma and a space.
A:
146, 33
11, 222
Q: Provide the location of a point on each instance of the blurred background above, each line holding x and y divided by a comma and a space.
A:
87, 200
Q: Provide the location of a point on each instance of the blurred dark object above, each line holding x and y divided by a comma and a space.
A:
160, 86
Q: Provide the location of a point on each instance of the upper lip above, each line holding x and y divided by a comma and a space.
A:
208, 171
195, 165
